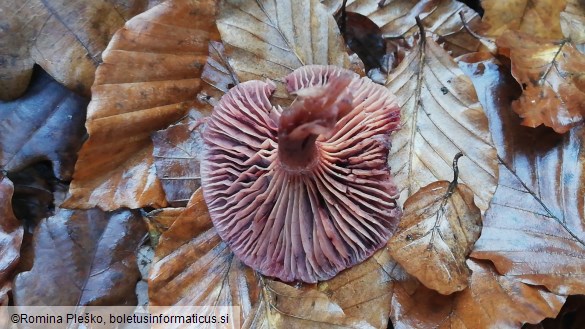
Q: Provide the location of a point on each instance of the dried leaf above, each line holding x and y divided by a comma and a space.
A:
534, 228
553, 79
437, 231
490, 301
396, 18
194, 267
65, 37
262, 39
83, 258
176, 159
538, 18
218, 75
45, 124
571, 316
441, 117
10, 232
573, 23
149, 79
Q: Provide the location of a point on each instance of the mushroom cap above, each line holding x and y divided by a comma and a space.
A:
306, 192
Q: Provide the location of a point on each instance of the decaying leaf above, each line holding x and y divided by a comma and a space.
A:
396, 18
534, 228
439, 226
262, 39
176, 151
552, 74
149, 79
10, 233
364, 38
46, 123
440, 117
490, 301
83, 258
573, 23
218, 75
538, 18
65, 37
194, 267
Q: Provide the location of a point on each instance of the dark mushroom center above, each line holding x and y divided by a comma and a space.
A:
314, 112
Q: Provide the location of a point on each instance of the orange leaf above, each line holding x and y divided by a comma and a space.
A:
149, 79
553, 79
437, 231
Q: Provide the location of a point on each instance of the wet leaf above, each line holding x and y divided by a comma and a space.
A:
83, 258
440, 117
364, 38
396, 18
193, 266
176, 157
149, 79
538, 18
66, 38
490, 301
262, 40
437, 231
553, 79
534, 228
10, 233
46, 123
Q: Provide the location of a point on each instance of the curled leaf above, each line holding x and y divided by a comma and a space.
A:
552, 76
149, 79
437, 231
11, 233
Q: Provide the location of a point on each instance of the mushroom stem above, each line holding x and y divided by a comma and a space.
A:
315, 112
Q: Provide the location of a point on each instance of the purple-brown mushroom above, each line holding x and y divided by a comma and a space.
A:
305, 192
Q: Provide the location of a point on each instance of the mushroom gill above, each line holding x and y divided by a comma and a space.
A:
305, 192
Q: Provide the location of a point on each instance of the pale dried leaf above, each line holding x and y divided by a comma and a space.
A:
539, 18
573, 23
66, 38
534, 229
440, 117
437, 231
396, 18
10, 233
149, 79
263, 38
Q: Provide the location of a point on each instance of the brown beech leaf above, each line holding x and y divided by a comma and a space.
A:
571, 316
149, 79
534, 228
176, 159
193, 266
490, 301
46, 123
66, 38
263, 39
218, 75
83, 258
440, 117
11, 232
396, 18
553, 78
439, 226
539, 18
573, 23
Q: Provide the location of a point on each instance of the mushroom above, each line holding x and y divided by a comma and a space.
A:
305, 192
